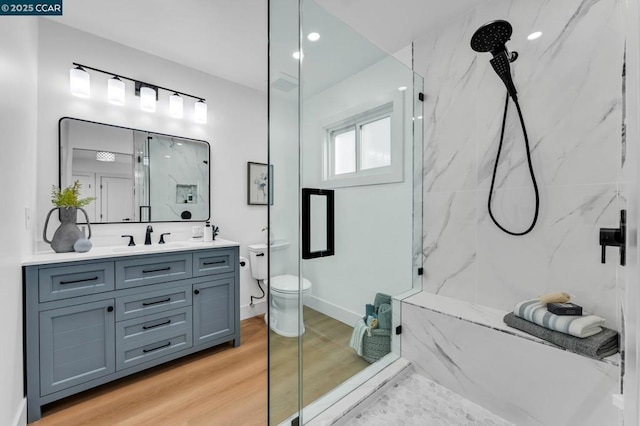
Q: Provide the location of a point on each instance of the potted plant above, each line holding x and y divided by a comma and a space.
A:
67, 201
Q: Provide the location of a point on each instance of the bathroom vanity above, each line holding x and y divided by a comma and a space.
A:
91, 318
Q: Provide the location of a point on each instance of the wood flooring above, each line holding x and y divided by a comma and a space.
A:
223, 385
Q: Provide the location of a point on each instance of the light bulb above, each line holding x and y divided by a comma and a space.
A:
147, 99
175, 106
79, 82
200, 112
115, 91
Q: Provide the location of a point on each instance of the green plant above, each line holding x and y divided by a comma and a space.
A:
68, 197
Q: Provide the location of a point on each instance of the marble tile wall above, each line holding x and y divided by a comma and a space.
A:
179, 165
570, 90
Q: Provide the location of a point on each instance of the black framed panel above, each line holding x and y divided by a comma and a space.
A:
314, 221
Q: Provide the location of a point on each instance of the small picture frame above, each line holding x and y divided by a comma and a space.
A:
259, 184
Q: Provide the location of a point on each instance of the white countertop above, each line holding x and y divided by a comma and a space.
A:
123, 250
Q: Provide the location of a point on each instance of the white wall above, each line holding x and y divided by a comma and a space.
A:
570, 89
18, 120
236, 130
373, 224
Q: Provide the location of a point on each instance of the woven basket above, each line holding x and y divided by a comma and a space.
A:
377, 345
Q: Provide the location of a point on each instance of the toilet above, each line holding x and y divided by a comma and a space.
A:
283, 303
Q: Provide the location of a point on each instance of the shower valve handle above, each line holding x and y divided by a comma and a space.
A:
615, 237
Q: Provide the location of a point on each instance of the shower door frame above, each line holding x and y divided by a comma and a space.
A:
631, 296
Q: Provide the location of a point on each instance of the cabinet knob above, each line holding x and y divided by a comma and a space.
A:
110, 309
196, 291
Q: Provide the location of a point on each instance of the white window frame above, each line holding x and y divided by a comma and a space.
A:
373, 176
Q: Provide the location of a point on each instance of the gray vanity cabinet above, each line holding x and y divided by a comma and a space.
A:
212, 317
90, 322
76, 345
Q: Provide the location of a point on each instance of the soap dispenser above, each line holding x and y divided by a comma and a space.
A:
208, 232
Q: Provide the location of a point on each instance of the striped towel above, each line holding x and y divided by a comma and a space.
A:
578, 326
357, 337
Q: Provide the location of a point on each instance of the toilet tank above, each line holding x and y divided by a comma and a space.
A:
259, 258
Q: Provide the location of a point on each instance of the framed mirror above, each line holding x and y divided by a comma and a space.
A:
135, 175
318, 223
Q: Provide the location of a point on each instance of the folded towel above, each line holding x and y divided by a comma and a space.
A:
578, 326
380, 299
358, 335
601, 345
369, 309
384, 316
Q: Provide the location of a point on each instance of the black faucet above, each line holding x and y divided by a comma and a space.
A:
147, 238
615, 237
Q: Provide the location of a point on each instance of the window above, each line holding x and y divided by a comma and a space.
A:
361, 147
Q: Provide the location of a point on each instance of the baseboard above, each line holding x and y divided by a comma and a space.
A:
258, 308
334, 311
20, 418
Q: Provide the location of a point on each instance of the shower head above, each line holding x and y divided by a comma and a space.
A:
492, 37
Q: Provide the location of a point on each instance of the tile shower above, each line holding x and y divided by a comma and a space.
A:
570, 85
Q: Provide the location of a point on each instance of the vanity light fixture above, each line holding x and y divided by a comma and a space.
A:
105, 156
200, 111
79, 82
115, 91
147, 99
80, 86
175, 106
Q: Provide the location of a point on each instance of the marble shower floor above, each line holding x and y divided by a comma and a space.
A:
417, 401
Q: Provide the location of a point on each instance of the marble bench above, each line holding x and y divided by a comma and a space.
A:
528, 381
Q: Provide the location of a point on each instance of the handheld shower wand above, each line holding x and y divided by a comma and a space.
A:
492, 37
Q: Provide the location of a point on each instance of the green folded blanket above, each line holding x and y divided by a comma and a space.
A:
380, 299
601, 345
384, 316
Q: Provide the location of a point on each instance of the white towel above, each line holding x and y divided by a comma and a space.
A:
357, 336
578, 326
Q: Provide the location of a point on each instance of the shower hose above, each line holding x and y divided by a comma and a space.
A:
495, 168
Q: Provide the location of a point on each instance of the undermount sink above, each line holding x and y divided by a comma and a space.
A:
149, 248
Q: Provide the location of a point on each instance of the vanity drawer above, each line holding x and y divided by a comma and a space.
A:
71, 281
143, 350
152, 327
214, 262
152, 270
143, 304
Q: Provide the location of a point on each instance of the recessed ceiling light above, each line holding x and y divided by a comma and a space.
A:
402, 88
534, 36
298, 55
313, 36
167, 156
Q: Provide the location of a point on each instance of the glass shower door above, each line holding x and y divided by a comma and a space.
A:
342, 114
356, 140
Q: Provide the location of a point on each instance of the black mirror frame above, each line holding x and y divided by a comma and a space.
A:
149, 220
306, 223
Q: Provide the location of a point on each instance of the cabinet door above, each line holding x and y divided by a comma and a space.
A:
214, 308
77, 344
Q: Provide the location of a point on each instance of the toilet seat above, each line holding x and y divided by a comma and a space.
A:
288, 284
